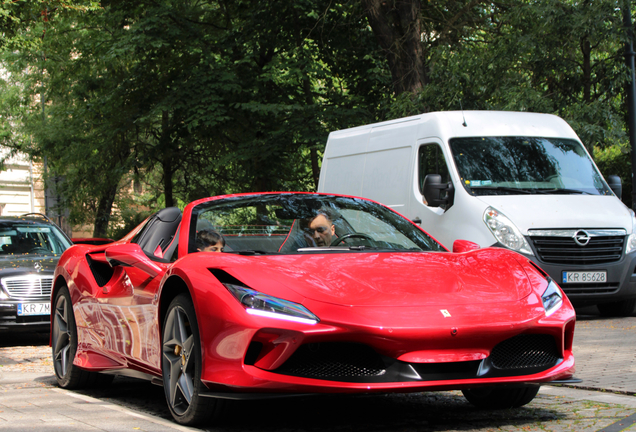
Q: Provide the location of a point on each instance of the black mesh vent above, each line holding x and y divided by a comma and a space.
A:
101, 272
333, 361
525, 351
591, 288
564, 250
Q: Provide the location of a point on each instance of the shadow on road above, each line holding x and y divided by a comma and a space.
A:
10, 339
431, 411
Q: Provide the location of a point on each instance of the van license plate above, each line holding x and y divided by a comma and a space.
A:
34, 309
584, 277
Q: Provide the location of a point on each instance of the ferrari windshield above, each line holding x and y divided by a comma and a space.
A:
525, 165
304, 223
31, 239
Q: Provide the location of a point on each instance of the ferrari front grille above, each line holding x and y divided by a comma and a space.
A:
333, 361
525, 351
28, 286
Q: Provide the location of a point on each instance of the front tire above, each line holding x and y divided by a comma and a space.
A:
501, 397
181, 365
64, 346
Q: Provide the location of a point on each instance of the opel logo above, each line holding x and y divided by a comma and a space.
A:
581, 238
37, 266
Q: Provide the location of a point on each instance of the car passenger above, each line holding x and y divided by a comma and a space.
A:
209, 240
321, 228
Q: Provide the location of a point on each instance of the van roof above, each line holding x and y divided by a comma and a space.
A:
449, 124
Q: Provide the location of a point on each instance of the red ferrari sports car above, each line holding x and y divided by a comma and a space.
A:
311, 293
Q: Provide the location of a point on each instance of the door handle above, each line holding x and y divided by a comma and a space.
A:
417, 220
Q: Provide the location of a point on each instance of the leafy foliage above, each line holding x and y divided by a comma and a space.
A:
198, 98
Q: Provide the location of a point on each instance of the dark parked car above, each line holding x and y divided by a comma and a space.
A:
30, 246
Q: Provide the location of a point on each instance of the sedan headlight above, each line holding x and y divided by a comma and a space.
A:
505, 231
257, 303
631, 240
552, 298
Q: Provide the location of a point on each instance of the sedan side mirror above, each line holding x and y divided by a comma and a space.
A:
614, 182
131, 255
460, 246
437, 193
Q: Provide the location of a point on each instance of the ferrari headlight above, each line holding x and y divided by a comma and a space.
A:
505, 231
256, 303
552, 298
631, 240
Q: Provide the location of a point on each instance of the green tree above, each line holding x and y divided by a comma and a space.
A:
211, 97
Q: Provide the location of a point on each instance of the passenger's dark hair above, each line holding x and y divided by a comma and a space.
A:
208, 237
326, 212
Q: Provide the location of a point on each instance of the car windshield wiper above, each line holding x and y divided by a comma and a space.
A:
502, 189
374, 248
530, 191
342, 248
563, 191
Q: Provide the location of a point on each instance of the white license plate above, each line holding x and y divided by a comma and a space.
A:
584, 277
34, 309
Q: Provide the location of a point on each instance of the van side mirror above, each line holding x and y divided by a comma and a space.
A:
614, 182
437, 193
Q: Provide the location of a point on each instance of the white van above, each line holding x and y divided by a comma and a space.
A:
507, 179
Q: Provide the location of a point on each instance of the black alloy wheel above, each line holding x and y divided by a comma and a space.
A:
64, 346
181, 365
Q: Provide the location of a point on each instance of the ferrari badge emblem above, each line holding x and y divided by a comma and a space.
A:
445, 313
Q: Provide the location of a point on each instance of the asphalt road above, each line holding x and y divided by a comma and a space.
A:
29, 399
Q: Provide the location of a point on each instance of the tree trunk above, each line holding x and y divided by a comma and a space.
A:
167, 181
396, 25
315, 169
587, 70
104, 208
166, 163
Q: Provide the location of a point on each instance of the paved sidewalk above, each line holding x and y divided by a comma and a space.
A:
46, 408
605, 353
605, 356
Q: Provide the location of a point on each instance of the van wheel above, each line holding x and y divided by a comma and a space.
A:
501, 397
623, 308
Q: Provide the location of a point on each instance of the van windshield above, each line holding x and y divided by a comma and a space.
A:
525, 165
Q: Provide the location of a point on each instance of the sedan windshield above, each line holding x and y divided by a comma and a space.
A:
525, 165
304, 223
31, 239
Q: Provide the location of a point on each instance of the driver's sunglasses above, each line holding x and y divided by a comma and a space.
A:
320, 229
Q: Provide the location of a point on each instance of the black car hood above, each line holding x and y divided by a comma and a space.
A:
21, 264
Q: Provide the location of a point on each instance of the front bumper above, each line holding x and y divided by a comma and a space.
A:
620, 285
462, 351
11, 321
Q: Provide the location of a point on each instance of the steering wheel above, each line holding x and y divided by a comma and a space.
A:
339, 240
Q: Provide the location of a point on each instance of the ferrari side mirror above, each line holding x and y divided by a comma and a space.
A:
460, 246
